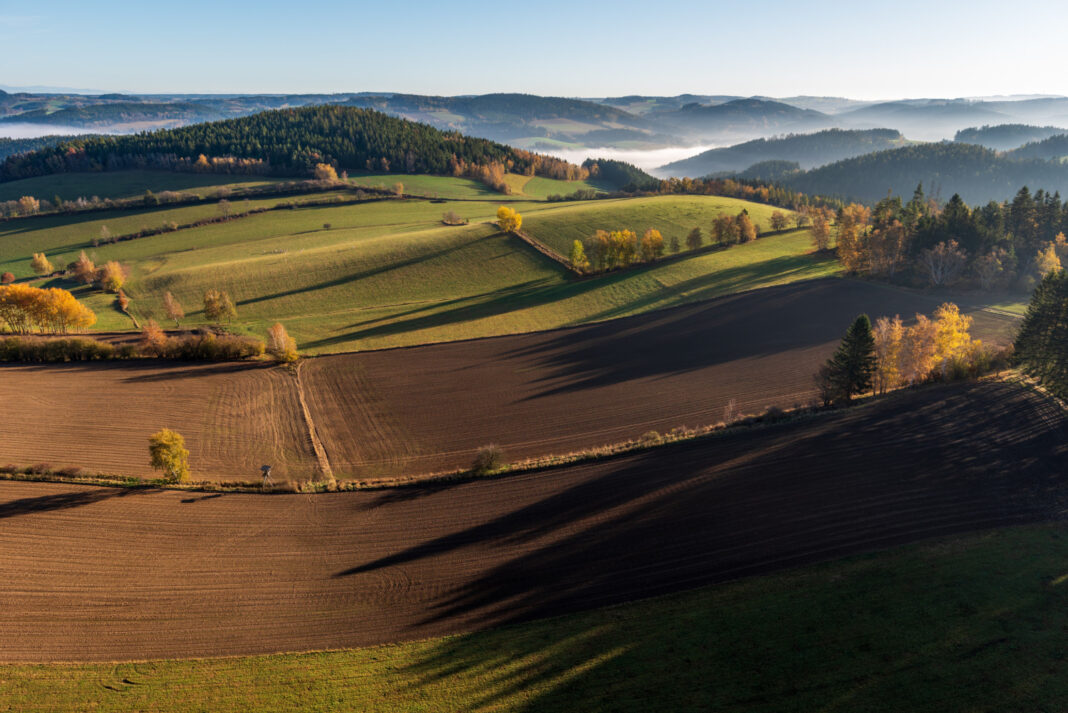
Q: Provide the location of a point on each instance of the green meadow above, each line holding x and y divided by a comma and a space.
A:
123, 184
389, 273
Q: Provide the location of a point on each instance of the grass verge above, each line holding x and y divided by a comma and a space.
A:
958, 624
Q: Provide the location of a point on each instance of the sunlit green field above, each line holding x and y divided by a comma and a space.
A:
673, 216
122, 184
389, 273
963, 624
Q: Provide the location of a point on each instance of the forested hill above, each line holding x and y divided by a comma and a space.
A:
1054, 147
288, 141
978, 174
1005, 137
9, 147
807, 150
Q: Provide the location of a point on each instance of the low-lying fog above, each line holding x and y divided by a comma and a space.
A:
645, 159
32, 131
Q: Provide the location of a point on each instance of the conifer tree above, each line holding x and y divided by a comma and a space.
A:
852, 367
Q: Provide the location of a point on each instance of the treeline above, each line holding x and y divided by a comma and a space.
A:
289, 141
10, 147
976, 173
920, 242
891, 355
201, 346
1041, 350
25, 309
617, 249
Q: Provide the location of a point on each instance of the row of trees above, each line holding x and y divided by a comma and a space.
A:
891, 355
994, 246
25, 309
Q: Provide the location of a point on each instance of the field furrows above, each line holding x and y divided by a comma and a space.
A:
102, 574
235, 417
559, 391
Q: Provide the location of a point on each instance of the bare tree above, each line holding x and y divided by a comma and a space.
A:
944, 262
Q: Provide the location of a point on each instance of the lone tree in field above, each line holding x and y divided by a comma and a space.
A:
746, 230
693, 239
218, 306
280, 345
84, 270
173, 308
852, 367
508, 220
168, 453
325, 172
7, 278
578, 258
778, 221
111, 277
41, 265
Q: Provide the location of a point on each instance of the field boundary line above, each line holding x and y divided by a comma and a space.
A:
317, 444
545, 250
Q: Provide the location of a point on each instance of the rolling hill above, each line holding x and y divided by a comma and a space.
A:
1005, 137
807, 150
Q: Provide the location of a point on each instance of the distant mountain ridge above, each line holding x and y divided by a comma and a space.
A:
1005, 137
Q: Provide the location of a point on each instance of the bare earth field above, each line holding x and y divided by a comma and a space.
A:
428, 409
108, 574
234, 416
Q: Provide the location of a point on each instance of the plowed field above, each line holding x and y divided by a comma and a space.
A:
430, 408
235, 417
105, 574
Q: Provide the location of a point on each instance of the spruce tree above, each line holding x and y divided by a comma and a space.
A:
852, 367
1041, 342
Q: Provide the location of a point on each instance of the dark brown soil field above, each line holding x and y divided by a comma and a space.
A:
235, 417
107, 574
428, 409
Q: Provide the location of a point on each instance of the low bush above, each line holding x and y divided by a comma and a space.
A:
488, 460
195, 347
40, 350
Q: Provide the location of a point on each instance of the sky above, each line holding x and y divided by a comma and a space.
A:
592, 49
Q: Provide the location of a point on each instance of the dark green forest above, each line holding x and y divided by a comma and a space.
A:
287, 142
1040, 345
1004, 137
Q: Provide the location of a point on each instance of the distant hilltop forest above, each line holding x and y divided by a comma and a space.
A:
292, 142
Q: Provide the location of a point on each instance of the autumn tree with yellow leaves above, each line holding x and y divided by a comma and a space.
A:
25, 309
508, 220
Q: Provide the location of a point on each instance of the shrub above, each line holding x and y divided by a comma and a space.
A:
206, 346
39, 469
280, 345
41, 350
7, 278
167, 452
41, 265
488, 460
70, 471
153, 339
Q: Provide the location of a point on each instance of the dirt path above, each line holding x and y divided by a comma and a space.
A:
313, 433
105, 574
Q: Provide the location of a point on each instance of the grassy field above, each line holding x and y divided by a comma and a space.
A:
673, 216
430, 186
389, 273
536, 188
122, 184
962, 624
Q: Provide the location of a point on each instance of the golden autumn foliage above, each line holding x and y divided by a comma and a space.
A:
325, 172
25, 309
652, 245
173, 308
853, 222
218, 306
84, 270
928, 347
508, 220
111, 277
280, 345
153, 338
1047, 260
167, 452
41, 265
747, 232
28, 205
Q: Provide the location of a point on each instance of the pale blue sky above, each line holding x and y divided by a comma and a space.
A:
572, 48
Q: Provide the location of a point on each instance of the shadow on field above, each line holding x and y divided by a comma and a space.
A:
62, 501
934, 462
769, 321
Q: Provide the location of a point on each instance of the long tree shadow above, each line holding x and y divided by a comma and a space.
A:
938, 462
62, 501
941, 462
